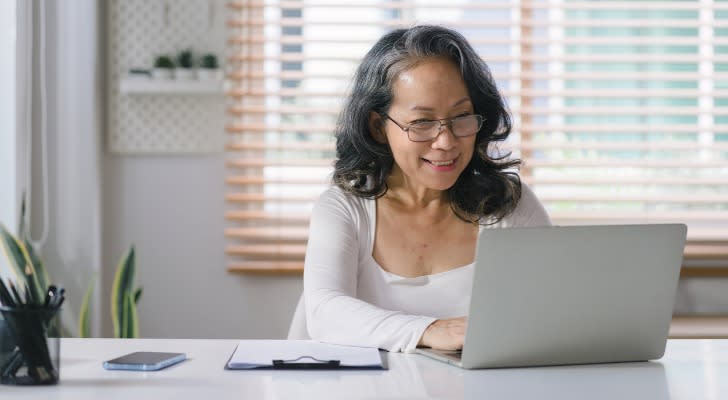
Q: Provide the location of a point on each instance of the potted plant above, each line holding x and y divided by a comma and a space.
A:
209, 68
185, 64
163, 67
29, 270
124, 300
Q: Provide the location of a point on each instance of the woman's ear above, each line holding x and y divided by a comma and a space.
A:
376, 127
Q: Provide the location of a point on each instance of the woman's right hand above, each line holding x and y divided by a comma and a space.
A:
445, 334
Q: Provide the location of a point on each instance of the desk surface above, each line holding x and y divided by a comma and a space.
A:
691, 369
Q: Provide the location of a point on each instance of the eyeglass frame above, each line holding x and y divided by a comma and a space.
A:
444, 122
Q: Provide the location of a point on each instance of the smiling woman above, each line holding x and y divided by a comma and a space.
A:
390, 253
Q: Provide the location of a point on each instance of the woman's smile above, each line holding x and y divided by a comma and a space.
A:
442, 165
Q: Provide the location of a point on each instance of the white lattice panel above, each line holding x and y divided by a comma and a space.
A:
140, 30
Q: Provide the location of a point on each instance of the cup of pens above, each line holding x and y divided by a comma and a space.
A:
30, 336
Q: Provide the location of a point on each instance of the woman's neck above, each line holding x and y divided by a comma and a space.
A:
404, 193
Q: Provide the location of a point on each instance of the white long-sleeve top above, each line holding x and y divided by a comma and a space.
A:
352, 300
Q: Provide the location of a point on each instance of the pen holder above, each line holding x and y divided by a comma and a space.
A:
30, 346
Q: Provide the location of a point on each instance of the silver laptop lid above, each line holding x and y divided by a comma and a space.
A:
571, 295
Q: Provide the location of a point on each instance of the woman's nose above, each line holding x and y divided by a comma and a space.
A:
445, 139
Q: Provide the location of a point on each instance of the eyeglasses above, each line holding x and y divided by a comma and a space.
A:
424, 131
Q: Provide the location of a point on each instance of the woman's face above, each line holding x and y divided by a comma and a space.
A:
431, 90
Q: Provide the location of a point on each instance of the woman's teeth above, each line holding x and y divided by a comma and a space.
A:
441, 163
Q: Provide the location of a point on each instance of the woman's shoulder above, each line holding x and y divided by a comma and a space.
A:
335, 197
528, 212
334, 193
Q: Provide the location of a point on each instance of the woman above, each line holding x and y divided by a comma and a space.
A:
389, 261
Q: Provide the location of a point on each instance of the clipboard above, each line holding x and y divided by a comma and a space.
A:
301, 354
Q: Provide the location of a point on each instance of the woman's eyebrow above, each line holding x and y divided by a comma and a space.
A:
461, 101
425, 108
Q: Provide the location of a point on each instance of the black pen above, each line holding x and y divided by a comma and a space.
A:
49, 295
57, 299
5, 296
29, 301
16, 295
59, 303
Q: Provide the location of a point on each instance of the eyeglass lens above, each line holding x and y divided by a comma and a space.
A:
460, 126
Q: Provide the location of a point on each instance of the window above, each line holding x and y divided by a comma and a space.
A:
621, 109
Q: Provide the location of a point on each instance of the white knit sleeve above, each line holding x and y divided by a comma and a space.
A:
529, 211
333, 312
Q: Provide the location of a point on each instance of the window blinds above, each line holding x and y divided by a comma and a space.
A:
620, 109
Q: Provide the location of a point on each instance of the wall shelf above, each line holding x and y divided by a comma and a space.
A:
170, 87
155, 116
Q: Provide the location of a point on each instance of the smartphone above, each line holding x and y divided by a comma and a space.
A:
144, 361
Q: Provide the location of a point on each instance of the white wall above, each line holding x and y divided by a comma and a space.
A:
8, 183
8, 124
171, 208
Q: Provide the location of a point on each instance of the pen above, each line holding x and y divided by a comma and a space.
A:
29, 298
329, 364
49, 295
58, 299
16, 295
5, 296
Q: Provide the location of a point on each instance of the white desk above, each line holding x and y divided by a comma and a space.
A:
691, 369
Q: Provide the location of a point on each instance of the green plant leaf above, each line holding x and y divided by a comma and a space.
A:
84, 326
40, 270
21, 224
123, 281
21, 264
12, 251
137, 295
130, 318
24, 236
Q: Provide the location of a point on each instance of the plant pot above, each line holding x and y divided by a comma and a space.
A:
184, 74
30, 354
162, 73
209, 74
7, 341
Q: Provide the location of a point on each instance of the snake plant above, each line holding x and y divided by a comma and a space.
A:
84, 326
27, 266
24, 261
31, 275
124, 298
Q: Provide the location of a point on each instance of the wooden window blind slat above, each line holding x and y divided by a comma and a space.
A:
258, 145
263, 198
277, 218
257, 181
262, 162
268, 250
282, 233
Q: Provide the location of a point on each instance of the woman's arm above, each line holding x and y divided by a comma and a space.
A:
333, 312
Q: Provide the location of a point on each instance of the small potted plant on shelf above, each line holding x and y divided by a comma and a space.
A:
185, 64
163, 67
209, 68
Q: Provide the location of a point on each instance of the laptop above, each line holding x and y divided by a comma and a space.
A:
570, 295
